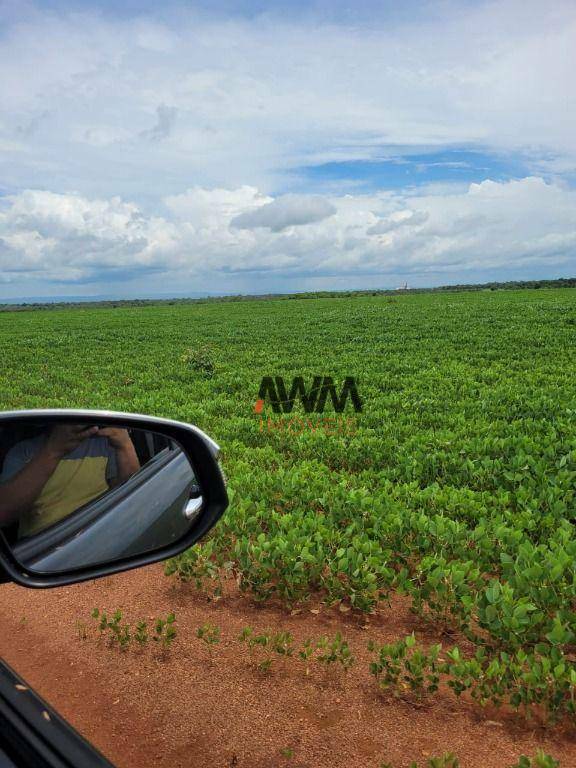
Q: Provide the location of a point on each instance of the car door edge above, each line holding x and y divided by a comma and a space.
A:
34, 735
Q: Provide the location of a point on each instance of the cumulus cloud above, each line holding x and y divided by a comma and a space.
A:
68, 237
286, 211
492, 225
211, 207
397, 220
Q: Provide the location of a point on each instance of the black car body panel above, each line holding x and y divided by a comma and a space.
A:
33, 735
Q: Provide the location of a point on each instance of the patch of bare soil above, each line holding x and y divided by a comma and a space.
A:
177, 709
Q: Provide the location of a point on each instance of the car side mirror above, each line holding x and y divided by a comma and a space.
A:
85, 494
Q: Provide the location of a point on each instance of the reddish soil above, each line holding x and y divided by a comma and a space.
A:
140, 708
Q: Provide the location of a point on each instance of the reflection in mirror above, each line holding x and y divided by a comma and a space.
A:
79, 494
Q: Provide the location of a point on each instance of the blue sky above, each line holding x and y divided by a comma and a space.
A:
332, 11
451, 165
271, 146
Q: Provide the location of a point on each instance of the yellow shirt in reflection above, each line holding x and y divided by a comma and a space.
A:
73, 484
81, 476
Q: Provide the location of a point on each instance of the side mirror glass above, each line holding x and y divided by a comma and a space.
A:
83, 494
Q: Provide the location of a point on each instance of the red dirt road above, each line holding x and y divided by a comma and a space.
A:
141, 709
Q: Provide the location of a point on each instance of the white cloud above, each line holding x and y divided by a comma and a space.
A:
286, 211
68, 237
491, 226
209, 208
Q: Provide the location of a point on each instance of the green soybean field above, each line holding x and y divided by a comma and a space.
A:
453, 487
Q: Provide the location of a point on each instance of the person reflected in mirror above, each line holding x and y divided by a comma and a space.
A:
48, 477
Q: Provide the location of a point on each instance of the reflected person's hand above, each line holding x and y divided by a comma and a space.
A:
128, 463
118, 438
64, 438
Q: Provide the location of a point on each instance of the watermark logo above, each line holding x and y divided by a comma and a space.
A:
322, 401
314, 400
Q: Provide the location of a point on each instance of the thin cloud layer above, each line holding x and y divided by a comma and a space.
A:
135, 106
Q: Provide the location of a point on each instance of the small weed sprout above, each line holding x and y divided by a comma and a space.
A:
200, 359
81, 630
306, 653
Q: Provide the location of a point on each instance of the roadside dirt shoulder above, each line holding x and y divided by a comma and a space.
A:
179, 709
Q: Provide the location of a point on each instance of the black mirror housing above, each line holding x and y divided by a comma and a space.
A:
199, 450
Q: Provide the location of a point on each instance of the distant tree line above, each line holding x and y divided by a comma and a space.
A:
512, 285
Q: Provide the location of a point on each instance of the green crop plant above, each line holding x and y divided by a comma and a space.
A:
102, 620
259, 647
117, 631
283, 645
445, 590
245, 635
447, 760
544, 678
141, 633
404, 666
165, 631
210, 636
199, 565
335, 651
124, 634
540, 760
264, 646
